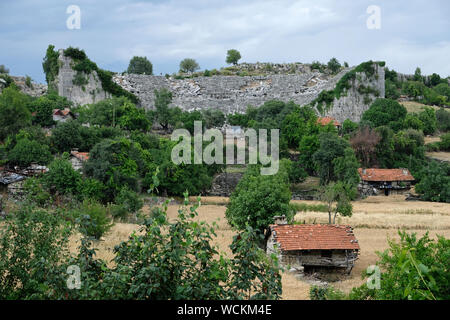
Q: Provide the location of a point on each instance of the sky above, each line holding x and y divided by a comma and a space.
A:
411, 33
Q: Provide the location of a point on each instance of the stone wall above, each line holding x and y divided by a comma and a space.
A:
229, 93
353, 104
234, 93
91, 92
224, 184
35, 90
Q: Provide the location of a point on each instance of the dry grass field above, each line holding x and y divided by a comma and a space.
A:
415, 107
375, 220
443, 156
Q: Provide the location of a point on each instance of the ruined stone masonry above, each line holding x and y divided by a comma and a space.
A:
232, 93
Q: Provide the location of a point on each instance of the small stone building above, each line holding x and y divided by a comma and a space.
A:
11, 183
78, 158
316, 245
384, 181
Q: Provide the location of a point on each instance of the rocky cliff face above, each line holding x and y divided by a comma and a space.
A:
362, 93
88, 90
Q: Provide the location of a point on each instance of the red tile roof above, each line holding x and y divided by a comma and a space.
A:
83, 156
385, 175
326, 120
314, 237
60, 112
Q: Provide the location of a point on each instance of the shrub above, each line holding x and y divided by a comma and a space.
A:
26, 152
412, 269
32, 245
61, 177
129, 201
96, 214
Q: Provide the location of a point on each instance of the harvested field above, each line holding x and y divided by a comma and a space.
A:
443, 156
375, 220
415, 107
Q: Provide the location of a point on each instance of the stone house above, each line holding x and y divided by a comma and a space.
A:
313, 245
62, 115
11, 183
387, 181
78, 158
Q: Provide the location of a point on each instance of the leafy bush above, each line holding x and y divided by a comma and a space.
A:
14, 114
412, 269
325, 293
26, 152
443, 119
98, 217
32, 245
61, 177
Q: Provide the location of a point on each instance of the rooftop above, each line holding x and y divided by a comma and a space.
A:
314, 237
385, 174
326, 120
83, 156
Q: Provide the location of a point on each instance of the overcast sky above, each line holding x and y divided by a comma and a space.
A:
413, 33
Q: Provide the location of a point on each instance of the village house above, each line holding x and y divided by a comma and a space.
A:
327, 120
11, 183
62, 115
78, 158
387, 181
313, 245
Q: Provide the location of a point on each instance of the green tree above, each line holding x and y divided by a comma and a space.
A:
51, 66
140, 65
434, 184
44, 111
26, 152
233, 56
3, 69
133, 118
428, 118
334, 65
163, 98
348, 126
61, 178
418, 75
116, 163
413, 121
346, 169
336, 198
189, 65
258, 198
14, 114
71, 134
331, 147
385, 112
